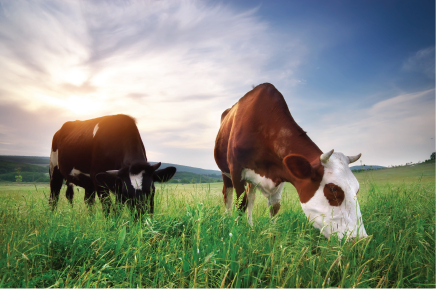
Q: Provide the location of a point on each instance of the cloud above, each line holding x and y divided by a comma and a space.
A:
25, 132
393, 131
422, 61
173, 65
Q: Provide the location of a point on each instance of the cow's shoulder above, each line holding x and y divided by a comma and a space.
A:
224, 114
118, 118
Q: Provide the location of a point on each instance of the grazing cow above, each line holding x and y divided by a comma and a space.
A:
260, 143
104, 154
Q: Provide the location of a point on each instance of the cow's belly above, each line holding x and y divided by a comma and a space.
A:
69, 171
264, 184
79, 178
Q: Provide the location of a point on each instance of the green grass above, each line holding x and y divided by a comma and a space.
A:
187, 242
406, 174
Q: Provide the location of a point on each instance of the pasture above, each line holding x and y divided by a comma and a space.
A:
190, 242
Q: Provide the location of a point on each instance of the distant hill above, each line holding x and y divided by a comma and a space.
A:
26, 160
370, 167
35, 169
187, 178
29, 172
46, 160
181, 168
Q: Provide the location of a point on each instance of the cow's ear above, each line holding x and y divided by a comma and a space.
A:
106, 179
298, 166
164, 175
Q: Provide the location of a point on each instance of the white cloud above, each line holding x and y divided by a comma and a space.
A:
173, 65
422, 61
390, 132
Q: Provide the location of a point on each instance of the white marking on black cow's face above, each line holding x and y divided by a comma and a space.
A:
345, 219
75, 173
53, 161
95, 130
136, 180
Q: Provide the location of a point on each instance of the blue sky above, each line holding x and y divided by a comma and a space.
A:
358, 76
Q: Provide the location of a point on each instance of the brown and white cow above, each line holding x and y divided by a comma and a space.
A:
260, 143
101, 155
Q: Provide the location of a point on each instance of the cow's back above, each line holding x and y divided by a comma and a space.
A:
95, 145
73, 144
255, 131
117, 143
222, 139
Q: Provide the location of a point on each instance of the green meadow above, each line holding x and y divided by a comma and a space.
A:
191, 242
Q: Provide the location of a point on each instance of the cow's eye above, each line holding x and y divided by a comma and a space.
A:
333, 189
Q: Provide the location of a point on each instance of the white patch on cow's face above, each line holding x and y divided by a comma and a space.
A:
95, 130
136, 180
75, 173
53, 161
345, 219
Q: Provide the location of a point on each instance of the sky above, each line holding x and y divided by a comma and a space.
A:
358, 76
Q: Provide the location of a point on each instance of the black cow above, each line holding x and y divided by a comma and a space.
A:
101, 155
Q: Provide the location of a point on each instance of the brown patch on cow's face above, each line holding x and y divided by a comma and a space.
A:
334, 194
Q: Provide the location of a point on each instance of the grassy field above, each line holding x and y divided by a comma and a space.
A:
190, 242
406, 174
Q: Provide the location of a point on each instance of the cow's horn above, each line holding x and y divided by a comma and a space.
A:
325, 157
112, 172
156, 165
352, 159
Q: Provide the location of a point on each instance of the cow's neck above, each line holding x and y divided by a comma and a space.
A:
293, 140
303, 145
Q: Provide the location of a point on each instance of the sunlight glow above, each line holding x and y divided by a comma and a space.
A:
75, 76
80, 105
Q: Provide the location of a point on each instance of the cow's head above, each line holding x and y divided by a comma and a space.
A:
135, 184
328, 193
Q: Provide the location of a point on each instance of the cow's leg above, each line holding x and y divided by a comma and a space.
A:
151, 208
228, 193
89, 197
105, 200
251, 197
274, 201
70, 192
239, 186
56, 180
120, 201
